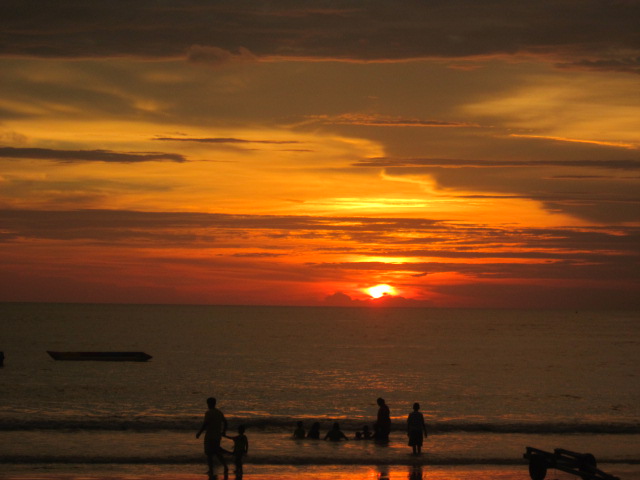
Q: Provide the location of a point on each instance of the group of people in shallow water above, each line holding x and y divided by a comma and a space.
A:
416, 429
334, 435
215, 427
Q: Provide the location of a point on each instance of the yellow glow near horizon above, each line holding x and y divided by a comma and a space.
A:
380, 290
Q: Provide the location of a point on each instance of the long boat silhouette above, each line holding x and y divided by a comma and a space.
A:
101, 356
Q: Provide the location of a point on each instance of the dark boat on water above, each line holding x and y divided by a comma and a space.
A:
101, 356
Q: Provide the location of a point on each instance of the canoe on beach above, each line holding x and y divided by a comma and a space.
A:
101, 356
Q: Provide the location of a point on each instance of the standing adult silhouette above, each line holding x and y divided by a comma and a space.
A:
383, 422
215, 426
416, 429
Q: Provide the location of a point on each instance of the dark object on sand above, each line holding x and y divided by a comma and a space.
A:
1, 359
581, 464
101, 356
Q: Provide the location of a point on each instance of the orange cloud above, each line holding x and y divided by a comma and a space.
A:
370, 120
629, 146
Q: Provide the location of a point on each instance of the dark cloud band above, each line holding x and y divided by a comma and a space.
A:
223, 140
582, 33
87, 155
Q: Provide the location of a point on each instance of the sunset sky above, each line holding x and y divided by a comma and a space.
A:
465, 153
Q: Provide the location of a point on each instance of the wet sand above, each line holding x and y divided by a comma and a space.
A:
279, 472
287, 472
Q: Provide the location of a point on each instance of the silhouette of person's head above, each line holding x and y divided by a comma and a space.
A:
211, 402
241, 429
336, 426
380, 401
416, 406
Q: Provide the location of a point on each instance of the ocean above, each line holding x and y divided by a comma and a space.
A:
490, 383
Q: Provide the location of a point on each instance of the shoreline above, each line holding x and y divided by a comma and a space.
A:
292, 472
267, 472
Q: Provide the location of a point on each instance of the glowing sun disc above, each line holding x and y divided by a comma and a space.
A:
380, 290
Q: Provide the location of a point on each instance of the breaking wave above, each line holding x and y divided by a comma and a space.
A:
277, 460
151, 424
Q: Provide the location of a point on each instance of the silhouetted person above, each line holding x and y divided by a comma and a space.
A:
1, 359
415, 429
240, 449
299, 432
335, 434
215, 426
314, 431
383, 423
366, 433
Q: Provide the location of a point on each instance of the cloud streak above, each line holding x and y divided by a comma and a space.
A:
222, 140
217, 57
107, 156
387, 237
615, 164
369, 120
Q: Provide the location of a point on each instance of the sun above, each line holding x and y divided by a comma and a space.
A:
380, 290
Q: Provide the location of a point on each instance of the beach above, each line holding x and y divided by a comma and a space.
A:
285, 473
490, 383
282, 472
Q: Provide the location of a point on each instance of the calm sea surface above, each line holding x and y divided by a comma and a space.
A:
490, 383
